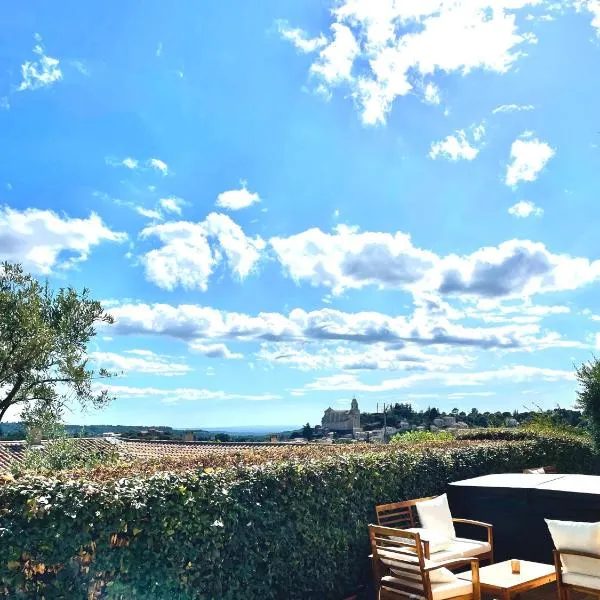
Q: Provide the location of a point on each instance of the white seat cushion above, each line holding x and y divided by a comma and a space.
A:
440, 591
469, 548
583, 537
437, 541
435, 515
586, 581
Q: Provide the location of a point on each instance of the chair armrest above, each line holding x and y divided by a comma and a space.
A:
474, 562
578, 553
471, 522
488, 526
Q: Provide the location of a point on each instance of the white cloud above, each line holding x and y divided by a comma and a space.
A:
349, 259
524, 209
529, 156
139, 361
159, 165
432, 325
379, 49
44, 241
335, 61
4, 103
130, 163
148, 212
176, 395
593, 7
237, 199
512, 374
172, 204
512, 108
457, 147
214, 350
431, 94
191, 251
300, 39
43, 72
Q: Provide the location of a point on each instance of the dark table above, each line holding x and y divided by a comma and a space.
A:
516, 505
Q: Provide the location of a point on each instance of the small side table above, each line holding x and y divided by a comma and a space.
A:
499, 580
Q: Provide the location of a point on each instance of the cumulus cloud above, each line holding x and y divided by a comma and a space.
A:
349, 259
398, 43
191, 251
431, 93
43, 241
593, 7
529, 157
432, 325
139, 361
524, 209
214, 350
515, 268
237, 199
458, 146
299, 38
42, 72
159, 165
172, 204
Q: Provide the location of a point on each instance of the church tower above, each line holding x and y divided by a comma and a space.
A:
354, 405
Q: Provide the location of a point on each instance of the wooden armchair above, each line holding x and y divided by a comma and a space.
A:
404, 515
575, 582
401, 571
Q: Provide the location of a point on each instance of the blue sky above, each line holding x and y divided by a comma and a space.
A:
285, 204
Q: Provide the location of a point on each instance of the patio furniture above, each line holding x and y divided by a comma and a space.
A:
517, 505
577, 557
499, 580
401, 571
438, 537
549, 470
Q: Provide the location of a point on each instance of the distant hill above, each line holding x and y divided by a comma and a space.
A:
16, 431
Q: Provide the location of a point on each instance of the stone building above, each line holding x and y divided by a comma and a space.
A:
342, 421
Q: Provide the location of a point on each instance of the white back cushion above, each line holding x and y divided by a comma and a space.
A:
435, 514
584, 537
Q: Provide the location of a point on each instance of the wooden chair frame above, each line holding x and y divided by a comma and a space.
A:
565, 589
386, 545
403, 515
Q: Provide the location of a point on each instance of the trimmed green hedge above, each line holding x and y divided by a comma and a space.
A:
295, 529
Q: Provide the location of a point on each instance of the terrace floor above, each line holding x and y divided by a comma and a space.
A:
548, 592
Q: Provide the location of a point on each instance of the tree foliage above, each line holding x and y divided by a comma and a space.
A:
43, 344
588, 395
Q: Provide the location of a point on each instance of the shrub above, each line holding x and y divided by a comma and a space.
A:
588, 395
420, 437
293, 528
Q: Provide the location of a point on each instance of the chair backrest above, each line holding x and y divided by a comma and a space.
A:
401, 553
402, 515
549, 470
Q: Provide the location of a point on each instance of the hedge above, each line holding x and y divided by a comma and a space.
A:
290, 529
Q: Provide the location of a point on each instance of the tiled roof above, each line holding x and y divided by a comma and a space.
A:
12, 453
177, 449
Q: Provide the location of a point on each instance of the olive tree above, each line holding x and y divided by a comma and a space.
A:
588, 395
44, 335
